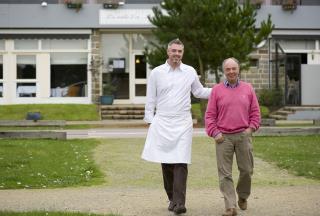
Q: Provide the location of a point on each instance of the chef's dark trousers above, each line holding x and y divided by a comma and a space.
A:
175, 181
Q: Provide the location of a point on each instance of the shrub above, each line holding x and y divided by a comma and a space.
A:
270, 97
264, 111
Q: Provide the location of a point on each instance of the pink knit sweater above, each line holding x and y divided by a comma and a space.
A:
232, 110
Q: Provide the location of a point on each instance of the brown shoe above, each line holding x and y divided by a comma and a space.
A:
243, 204
230, 212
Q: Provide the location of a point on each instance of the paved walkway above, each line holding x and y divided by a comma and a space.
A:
265, 201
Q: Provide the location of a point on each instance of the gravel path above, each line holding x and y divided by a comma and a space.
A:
265, 201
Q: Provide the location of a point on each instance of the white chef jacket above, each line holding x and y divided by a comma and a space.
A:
169, 137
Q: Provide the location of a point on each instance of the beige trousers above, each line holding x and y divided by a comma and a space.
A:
241, 145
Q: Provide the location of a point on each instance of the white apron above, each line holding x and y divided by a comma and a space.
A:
169, 139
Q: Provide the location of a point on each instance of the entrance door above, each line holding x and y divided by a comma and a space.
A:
293, 80
138, 85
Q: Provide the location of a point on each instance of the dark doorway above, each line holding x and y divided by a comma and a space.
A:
293, 78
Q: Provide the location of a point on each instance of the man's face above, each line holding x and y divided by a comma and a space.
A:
175, 53
231, 71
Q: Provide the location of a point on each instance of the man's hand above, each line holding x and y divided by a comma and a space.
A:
248, 131
219, 138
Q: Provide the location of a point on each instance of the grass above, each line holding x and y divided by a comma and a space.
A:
120, 160
56, 163
50, 164
4, 213
69, 112
300, 154
47, 163
66, 127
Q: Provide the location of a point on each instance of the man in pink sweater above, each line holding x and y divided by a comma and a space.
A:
232, 115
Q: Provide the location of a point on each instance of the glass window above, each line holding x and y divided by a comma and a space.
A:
140, 41
26, 89
254, 62
25, 44
140, 66
116, 47
65, 44
26, 67
141, 90
1, 68
2, 45
69, 74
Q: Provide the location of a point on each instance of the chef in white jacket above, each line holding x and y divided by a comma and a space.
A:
167, 111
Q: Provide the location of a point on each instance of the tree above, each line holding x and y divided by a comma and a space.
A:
211, 30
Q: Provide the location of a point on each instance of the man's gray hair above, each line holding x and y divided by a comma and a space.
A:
175, 41
234, 59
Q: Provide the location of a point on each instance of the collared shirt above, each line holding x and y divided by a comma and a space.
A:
228, 85
168, 90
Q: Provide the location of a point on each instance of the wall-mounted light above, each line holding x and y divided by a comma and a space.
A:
44, 4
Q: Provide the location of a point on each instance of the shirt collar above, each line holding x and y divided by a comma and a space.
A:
169, 68
228, 85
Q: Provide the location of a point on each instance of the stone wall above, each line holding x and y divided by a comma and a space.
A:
95, 66
259, 76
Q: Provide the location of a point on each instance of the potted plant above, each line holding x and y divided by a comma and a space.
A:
289, 4
257, 3
108, 90
74, 4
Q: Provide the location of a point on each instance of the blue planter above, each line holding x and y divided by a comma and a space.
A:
106, 99
35, 116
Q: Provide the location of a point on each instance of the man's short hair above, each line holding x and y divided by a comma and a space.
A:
175, 41
234, 59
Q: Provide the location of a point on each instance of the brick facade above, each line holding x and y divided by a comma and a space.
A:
259, 76
95, 66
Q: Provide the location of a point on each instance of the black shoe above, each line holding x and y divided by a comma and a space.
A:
179, 209
171, 206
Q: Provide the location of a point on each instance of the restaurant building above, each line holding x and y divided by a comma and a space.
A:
55, 52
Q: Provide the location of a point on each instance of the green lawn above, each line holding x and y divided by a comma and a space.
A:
298, 154
66, 127
120, 161
117, 163
51, 214
47, 163
69, 112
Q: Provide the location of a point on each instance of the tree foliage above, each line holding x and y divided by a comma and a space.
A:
211, 30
